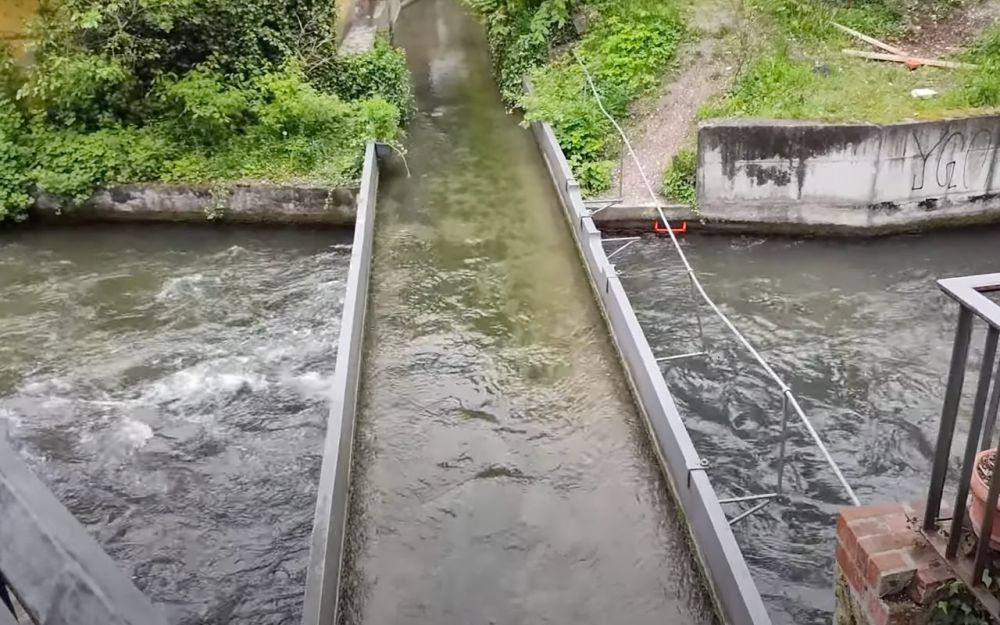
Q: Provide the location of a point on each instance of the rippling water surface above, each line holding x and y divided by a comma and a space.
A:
169, 384
860, 332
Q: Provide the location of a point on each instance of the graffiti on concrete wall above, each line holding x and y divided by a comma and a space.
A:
954, 161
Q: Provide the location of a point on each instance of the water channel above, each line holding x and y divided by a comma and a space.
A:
861, 333
170, 386
171, 390
502, 474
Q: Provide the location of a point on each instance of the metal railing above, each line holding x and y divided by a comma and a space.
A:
56, 571
790, 405
947, 533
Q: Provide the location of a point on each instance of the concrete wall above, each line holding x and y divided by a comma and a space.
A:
850, 176
722, 560
246, 203
327, 546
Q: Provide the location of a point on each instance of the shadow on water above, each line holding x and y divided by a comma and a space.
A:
859, 331
501, 472
170, 385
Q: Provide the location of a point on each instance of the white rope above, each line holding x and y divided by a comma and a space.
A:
708, 300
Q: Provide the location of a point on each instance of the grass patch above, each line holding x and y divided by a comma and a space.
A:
627, 45
681, 176
800, 73
627, 50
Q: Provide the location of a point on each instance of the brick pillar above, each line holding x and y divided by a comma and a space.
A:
886, 572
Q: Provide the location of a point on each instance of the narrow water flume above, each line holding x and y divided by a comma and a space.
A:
501, 471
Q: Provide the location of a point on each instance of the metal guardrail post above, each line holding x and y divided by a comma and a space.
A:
972, 442
953, 394
969, 292
991, 414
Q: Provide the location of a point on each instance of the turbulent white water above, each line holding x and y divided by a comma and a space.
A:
863, 336
169, 384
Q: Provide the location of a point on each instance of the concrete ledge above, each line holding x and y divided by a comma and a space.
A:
740, 219
240, 203
808, 178
326, 551
721, 558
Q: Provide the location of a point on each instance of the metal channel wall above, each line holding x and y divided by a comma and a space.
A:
721, 557
326, 552
57, 570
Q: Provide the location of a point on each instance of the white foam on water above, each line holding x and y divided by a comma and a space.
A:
310, 384
201, 382
134, 433
181, 286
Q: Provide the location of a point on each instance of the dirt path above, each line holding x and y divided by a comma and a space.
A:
663, 126
941, 35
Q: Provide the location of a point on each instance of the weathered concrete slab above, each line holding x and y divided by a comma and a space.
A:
848, 178
241, 203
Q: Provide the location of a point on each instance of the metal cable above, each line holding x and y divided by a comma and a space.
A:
785, 390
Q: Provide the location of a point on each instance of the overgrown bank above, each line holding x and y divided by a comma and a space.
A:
788, 64
211, 91
626, 44
794, 67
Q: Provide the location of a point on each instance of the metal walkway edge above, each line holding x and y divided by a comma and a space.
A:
58, 572
729, 576
326, 551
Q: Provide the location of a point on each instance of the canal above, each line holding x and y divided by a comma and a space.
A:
170, 385
863, 336
502, 473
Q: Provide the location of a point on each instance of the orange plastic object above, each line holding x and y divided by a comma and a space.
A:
658, 229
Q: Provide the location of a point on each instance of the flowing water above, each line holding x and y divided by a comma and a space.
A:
501, 473
170, 385
863, 336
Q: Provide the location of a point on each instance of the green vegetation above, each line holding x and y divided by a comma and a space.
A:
956, 605
681, 176
627, 45
175, 90
796, 70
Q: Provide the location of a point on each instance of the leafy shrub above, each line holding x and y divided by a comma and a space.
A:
153, 38
627, 51
378, 73
14, 182
680, 178
521, 33
204, 106
80, 90
72, 164
189, 90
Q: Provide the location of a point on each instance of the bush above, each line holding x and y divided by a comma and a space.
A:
680, 178
521, 33
178, 90
72, 164
627, 50
14, 182
379, 73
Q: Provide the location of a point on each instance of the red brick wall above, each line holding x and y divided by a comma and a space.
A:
887, 572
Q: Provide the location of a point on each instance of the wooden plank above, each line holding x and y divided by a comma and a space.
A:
901, 58
872, 40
